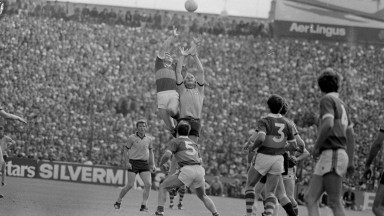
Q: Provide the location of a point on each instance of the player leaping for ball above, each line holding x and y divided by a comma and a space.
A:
167, 95
191, 173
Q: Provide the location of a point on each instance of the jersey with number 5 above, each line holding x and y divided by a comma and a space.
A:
278, 130
185, 151
332, 106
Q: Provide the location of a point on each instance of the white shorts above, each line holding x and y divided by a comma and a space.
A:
165, 97
192, 176
272, 164
332, 161
291, 175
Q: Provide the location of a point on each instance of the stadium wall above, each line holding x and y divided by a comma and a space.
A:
108, 175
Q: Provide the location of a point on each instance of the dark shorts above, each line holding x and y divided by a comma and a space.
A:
263, 180
286, 164
5, 157
195, 126
139, 166
382, 179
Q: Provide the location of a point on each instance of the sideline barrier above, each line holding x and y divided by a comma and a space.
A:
112, 176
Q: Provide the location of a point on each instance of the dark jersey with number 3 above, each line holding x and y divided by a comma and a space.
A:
185, 151
278, 130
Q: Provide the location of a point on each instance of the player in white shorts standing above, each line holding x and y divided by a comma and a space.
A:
334, 147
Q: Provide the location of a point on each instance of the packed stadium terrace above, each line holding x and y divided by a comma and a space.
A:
81, 84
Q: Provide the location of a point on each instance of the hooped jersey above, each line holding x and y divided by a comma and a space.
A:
277, 132
332, 106
165, 76
185, 150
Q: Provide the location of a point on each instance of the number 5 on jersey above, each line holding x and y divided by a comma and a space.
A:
191, 149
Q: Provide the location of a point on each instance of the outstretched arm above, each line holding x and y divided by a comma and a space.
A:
179, 76
165, 47
11, 116
200, 75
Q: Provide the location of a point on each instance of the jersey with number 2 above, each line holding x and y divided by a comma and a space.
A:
185, 151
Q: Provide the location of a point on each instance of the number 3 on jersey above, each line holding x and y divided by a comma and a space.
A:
280, 132
191, 150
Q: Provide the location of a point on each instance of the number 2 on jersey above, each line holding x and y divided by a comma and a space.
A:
191, 150
280, 132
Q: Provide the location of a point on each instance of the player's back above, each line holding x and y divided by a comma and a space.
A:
277, 132
332, 105
186, 151
165, 76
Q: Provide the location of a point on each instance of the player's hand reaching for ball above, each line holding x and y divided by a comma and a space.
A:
183, 51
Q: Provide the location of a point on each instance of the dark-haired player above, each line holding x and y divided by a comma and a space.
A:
378, 204
139, 159
191, 173
167, 95
334, 145
274, 132
285, 189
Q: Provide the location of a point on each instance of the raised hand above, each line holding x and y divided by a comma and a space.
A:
183, 51
197, 40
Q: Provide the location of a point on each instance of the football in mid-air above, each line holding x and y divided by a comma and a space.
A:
190, 6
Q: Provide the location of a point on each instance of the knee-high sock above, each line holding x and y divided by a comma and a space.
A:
181, 193
270, 204
289, 209
249, 200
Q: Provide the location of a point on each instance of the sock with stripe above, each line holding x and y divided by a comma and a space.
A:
289, 209
181, 193
270, 204
249, 200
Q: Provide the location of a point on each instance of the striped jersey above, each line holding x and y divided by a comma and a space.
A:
165, 76
331, 106
185, 151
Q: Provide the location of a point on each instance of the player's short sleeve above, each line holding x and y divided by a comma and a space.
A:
326, 108
129, 143
290, 132
158, 63
172, 146
262, 126
150, 145
294, 128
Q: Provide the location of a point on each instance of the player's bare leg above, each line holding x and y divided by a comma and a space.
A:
124, 191
283, 199
313, 194
259, 189
147, 180
333, 186
289, 185
253, 177
172, 181
200, 192
270, 190
165, 115
378, 205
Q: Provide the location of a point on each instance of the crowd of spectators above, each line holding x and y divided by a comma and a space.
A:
81, 85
